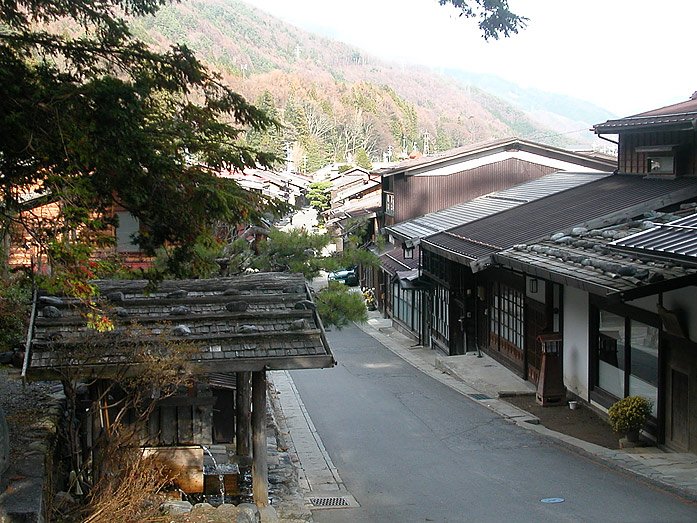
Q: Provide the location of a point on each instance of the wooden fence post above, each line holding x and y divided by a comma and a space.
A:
260, 471
243, 411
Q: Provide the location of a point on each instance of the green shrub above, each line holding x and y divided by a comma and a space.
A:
15, 296
629, 413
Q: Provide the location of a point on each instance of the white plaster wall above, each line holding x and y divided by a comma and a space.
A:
576, 344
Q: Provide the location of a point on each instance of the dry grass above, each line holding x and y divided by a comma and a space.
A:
130, 491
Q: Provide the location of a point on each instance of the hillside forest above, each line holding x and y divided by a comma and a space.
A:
333, 102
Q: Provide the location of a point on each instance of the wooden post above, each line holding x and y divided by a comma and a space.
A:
244, 413
260, 471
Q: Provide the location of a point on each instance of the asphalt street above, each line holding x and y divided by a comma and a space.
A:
409, 449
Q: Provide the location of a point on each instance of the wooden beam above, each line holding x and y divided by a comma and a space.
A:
260, 470
202, 367
243, 412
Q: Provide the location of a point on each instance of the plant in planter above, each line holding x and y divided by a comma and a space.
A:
628, 416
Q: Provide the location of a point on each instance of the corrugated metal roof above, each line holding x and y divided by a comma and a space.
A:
676, 238
593, 204
490, 204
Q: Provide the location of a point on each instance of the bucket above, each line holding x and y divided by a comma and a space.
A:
573, 405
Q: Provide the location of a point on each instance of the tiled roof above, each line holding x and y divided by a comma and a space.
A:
592, 205
587, 259
263, 320
489, 204
393, 261
367, 206
678, 116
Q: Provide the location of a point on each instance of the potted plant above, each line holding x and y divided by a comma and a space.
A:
628, 416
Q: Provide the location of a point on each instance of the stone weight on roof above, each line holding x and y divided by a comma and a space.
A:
263, 320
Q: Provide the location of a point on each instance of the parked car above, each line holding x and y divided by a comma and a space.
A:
345, 276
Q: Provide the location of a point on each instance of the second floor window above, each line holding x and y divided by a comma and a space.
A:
389, 204
660, 164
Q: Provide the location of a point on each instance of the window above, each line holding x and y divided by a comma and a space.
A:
611, 351
389, 204
660, 164
660, 159
404, 309
506, 313
627, 357
441, 307
643, 379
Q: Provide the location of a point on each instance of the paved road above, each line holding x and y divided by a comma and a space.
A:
410, 449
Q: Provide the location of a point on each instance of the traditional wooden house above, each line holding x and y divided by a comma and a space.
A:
505, 311
430, 183
233, 329
424, 186
355, 201
40, 216
626, 308
432, 297
627, 290
287, 187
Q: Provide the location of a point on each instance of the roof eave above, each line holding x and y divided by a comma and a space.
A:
446, 253
541, 272
616, 127
199, 368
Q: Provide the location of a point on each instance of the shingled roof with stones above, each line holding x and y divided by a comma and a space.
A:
587, 259
251, 322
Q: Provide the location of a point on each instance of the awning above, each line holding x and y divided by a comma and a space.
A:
411, 280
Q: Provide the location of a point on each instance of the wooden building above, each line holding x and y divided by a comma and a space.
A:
430, 183
608, 267
422, 196
233, 329
505, 309
435, 285
626, 299
627, 288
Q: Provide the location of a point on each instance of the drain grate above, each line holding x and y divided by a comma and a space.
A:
329, 502
479, 396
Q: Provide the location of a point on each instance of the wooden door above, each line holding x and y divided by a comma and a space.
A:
678, 436
223, 415
536, 324
457, 327
680, 392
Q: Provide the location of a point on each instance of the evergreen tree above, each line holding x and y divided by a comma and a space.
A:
99, 119
362, 159
270, 140
319, 196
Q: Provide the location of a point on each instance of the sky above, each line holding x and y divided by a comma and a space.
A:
626, 56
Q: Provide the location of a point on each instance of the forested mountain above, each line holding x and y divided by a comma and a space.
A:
336, 102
